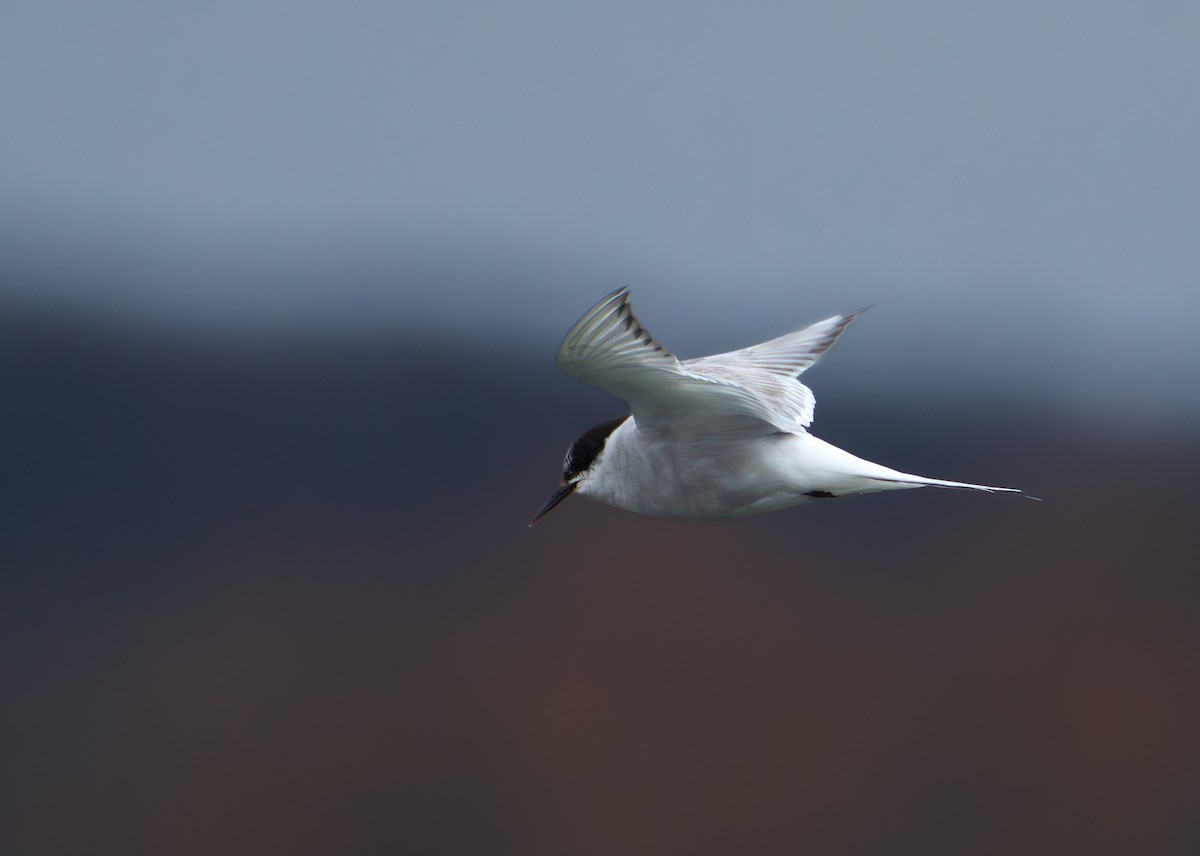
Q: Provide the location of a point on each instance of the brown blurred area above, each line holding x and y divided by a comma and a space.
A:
284, 600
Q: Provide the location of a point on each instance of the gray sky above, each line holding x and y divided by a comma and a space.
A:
1016, 184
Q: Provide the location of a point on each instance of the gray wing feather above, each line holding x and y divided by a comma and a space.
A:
772, 368
608, 348
788, 355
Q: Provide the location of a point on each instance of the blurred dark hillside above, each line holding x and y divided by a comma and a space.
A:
280, 597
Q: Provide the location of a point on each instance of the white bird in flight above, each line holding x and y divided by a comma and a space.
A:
709, 438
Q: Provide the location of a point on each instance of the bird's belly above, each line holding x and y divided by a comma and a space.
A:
697, 482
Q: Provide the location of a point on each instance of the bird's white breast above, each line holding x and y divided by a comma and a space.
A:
697, 476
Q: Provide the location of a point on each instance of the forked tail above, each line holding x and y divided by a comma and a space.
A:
844, 474
920, 481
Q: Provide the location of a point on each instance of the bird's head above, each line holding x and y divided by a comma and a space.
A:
580, 463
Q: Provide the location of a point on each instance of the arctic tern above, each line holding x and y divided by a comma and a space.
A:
713, 437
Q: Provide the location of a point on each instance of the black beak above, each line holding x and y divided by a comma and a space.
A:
558, 496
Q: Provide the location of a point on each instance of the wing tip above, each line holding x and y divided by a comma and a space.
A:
610, 328
854, 313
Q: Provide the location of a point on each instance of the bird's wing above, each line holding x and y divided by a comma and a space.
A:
610, 349
772, 368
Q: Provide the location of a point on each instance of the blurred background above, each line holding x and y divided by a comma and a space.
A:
280, 285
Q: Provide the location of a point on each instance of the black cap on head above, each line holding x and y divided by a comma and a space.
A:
587, 447
580, 457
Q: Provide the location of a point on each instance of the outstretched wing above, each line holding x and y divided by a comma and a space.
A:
772, 368
741, 391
